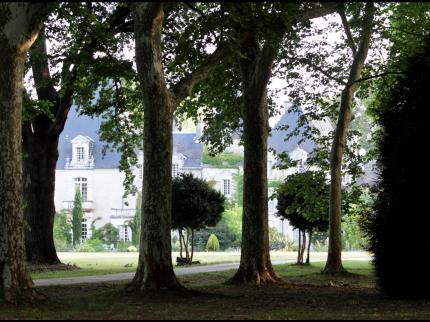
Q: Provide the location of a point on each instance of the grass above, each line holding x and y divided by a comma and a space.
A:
306, 295
92, 264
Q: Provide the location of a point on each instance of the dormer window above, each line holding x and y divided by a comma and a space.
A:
80, 154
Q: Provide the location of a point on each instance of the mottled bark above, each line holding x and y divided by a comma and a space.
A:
256, 63
40, 160
155, 269
334, 259
255, 265
18, 30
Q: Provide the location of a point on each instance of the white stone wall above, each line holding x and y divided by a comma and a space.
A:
105, 192
219, 175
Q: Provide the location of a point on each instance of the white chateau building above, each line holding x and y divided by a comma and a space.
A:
101, 183
81, 163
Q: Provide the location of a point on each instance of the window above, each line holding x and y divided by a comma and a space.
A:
82, 184
227, 187
175, 170
84, 229
124, 234
80, 157
140, 167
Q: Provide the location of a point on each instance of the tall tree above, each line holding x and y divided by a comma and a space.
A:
359, 51
260, 28
155, 269
303, 201
56, 81
328, 90
195, 206
19, 27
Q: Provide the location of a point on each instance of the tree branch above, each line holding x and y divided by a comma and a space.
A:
317, 68
185, 87
375, 76
363, 48
40, 67
347, 30
69, 75
282, 24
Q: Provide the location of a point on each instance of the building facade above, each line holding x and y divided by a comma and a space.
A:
82, 163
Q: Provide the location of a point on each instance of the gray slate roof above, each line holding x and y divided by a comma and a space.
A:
89, 126
277, 139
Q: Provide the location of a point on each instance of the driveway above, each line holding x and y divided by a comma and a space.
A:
129, 276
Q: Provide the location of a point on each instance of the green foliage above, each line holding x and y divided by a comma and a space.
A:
212, 244
62, 232
303, 199
358, 203
222, 160
123, 246
77, 216
195, 205
91, 246
108, 234
399, 212
232, 218
238, 198
277, 241
136, 224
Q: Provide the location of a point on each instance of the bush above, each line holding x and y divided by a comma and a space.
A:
399, 225
85, 248
62, 232
277, 241
212, 244
132, 249
96, 244
123, 246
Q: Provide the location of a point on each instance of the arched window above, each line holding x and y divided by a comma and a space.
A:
82, 184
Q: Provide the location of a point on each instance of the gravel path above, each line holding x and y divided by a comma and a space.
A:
129, 276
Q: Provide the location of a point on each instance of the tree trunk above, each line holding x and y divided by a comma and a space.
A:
17, 33
155, 269
300, 247
309, 247
41, 155
303, 246
334, 259
187, 253
192, 245
255, 265
180, 242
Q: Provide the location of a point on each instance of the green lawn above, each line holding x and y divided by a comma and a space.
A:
109, 263
305, 294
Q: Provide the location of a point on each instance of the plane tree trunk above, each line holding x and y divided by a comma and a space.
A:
334, 259
255, 265
18, 30
39, 188
155, 268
